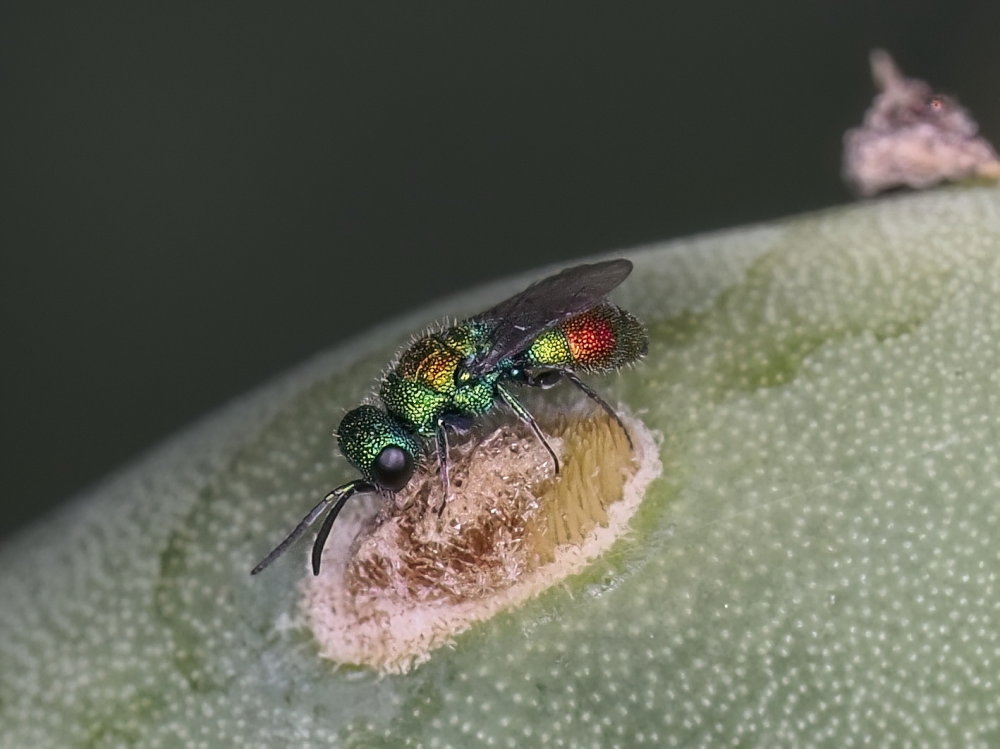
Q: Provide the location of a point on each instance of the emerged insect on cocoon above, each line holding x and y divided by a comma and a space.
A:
412, 580
555, 329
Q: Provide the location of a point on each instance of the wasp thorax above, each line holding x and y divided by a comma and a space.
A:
510, 528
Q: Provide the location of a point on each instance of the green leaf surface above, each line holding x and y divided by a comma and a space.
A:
818, 563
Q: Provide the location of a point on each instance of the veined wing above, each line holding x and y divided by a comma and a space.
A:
517, 321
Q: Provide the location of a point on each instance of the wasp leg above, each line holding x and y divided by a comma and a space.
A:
442, 451
590, 393
546, 378
527, 418
337, 498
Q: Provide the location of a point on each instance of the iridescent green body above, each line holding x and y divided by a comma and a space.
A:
555, 328
425, 384
428, 387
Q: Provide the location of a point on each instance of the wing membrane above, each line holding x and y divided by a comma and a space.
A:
515, 322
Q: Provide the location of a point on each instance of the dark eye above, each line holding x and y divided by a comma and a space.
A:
393, 468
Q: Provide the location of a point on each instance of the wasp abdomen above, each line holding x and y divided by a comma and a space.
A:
602, 339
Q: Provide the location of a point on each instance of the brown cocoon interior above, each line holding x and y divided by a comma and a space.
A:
506, 514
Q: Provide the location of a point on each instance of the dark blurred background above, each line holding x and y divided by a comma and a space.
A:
198, 196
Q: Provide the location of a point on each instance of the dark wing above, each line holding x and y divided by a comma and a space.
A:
517, 321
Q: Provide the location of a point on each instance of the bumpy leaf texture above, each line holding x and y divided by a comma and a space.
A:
819, 561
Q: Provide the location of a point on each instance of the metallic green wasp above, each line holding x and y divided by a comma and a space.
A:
555, 328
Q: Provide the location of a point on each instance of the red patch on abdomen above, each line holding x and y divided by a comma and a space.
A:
591, 338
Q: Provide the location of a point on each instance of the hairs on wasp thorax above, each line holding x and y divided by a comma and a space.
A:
556, 329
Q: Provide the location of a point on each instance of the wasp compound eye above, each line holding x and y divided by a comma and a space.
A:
392, 468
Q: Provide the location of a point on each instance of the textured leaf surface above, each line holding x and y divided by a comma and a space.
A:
818, 563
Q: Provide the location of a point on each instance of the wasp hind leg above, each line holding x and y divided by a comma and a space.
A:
592, 394
547, 378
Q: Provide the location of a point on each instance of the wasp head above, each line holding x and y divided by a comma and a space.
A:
380, 446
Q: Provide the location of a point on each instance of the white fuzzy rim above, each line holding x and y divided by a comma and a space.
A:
393, 634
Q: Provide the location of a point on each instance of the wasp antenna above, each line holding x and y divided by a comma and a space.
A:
338, 495
347, 491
